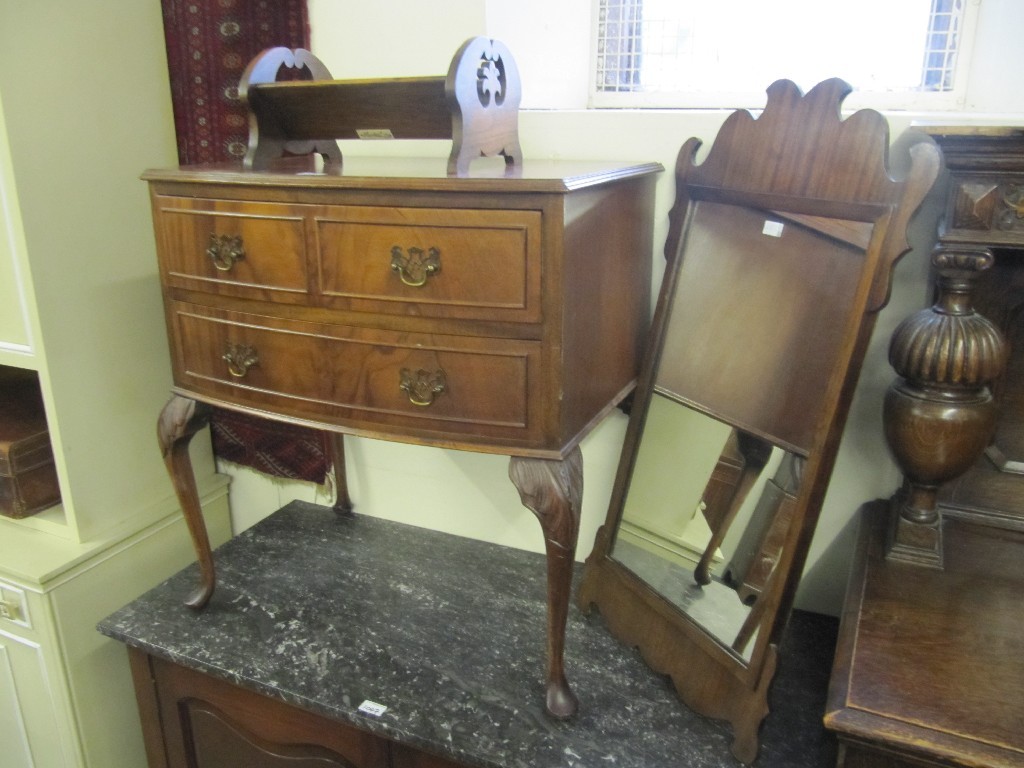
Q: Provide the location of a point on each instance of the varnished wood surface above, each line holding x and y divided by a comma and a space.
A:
476, 106
983, 147
930, 663
768, 340
202, 722
489, 382
553, 491
986, 165
411, 174
407, 107
306, 300
542, 296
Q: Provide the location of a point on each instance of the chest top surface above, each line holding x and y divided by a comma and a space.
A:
411, 174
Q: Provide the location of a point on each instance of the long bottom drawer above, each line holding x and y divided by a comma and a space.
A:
363, 378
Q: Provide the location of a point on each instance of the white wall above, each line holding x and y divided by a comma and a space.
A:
469, 494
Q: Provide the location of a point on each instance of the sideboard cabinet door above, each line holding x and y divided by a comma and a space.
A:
197, 721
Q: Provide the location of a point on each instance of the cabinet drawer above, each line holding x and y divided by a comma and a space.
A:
253, 250
377, 380
472, 264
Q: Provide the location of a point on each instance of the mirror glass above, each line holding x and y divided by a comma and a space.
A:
704, 519
753, 329
779, 256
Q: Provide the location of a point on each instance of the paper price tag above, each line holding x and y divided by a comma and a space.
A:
772, 228
372, 708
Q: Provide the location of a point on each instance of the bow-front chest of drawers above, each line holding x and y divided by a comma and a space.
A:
496, 312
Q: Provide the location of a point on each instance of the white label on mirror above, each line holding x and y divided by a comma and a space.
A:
772, 228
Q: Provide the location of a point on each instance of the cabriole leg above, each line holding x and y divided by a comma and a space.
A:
179, 420
553, 490
342, 502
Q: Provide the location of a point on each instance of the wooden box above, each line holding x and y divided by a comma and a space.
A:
28, 478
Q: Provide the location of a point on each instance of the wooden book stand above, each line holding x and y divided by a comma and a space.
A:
476, 106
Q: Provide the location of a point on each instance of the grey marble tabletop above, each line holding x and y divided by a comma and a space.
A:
448, 633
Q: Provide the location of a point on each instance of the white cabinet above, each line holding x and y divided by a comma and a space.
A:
84, 109
28, 723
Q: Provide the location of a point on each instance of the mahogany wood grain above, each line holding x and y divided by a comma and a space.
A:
204, 722
640, 617
339, 374
179, 421
192, 720
755, 453
553, 491
488, 263
342, 500
525, 333
148, 702
721, 486
929, 668
271, 261
405, 107
592, 225
405, 757
476, 106
483, 91
768, 335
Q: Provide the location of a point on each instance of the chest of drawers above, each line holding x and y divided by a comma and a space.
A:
499, 313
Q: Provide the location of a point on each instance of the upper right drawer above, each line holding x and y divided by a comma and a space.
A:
449, 263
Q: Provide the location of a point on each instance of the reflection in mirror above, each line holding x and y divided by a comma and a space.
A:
702, 524
779, 256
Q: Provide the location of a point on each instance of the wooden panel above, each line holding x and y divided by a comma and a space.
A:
854, 757
407, 107
406, 757
343, 374
487, 262
272, 237
931, 662
600, 298
763, 361
218, 742
208, 723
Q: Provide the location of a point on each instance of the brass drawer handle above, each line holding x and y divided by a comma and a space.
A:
225, 250
421, 385
415, 266
240, 358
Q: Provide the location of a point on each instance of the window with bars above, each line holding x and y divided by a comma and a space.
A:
723, 53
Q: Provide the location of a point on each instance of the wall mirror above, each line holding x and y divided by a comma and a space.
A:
779, 257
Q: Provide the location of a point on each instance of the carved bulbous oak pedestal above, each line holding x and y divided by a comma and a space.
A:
929, 669
940, 414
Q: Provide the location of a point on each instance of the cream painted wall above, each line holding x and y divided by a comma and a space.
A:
469, 494
78, 141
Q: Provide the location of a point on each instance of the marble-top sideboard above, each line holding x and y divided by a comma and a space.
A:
325, 612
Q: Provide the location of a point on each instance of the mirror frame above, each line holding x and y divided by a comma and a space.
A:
799, 158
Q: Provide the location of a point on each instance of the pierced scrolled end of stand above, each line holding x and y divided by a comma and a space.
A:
940, 413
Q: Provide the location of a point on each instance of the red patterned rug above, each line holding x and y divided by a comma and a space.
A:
209, 43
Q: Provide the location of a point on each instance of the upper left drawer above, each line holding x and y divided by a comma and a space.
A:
249, 250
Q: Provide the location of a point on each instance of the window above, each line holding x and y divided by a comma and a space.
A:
724, 53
